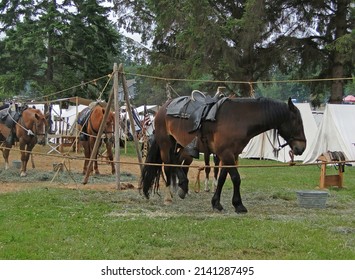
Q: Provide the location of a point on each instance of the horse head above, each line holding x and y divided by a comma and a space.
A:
39, 126
110, 127
292, 130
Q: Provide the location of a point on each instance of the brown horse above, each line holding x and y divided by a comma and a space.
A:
90, 130
30, 129
236, 122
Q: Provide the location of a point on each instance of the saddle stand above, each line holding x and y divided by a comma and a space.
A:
332, 180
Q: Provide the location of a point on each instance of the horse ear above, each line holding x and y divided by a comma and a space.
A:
291, 105
36, 116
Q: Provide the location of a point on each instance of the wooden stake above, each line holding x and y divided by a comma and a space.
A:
98, 137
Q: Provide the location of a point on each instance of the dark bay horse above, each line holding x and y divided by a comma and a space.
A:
30, 129
89, 135
236, 122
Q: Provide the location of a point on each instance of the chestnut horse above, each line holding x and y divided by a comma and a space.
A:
236, 122
90, 130
30, 129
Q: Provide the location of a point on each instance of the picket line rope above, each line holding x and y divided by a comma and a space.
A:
109, 76
167, 79
71, 157
235, 82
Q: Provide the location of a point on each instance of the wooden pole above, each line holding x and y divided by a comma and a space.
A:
98, 137
128, 106
77, 125
117, 124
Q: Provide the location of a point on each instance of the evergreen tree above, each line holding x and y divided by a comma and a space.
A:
244, 40
51, 45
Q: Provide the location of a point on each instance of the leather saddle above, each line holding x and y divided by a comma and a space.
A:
197, 108
9, 116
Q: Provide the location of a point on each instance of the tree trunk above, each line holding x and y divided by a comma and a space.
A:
337, 60
50, 63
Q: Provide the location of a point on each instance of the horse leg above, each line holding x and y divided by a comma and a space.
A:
25, 156
94, 165
216, 199
237, 199
110, 156
5, 154
170, 177
85, 145
173, 180
183, 182
207, 171
33, 162
215, 171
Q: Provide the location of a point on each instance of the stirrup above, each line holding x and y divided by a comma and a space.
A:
191, 149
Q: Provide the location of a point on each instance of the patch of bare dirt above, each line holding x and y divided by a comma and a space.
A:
70, 177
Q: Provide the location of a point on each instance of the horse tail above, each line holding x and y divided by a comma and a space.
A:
151, 173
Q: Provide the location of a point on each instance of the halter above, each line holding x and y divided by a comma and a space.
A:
281, 146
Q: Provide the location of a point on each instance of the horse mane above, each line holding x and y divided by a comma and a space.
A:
274, 110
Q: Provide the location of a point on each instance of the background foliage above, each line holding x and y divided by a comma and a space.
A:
48, 46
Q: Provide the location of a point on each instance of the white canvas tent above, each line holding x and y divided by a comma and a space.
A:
336, 132
262, 146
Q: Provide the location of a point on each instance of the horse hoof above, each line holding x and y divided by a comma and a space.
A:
181, 193
168, 202
241, 209
207, 190
218, 208
23, 174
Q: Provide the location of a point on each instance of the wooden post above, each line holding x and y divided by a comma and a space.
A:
77, 125
98, 137
117, 124
128, 106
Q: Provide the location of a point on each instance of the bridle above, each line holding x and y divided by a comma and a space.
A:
288, 142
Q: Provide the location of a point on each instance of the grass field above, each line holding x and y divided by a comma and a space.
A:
49, 222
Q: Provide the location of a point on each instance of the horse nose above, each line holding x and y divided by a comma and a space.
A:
299, 149
41, 141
